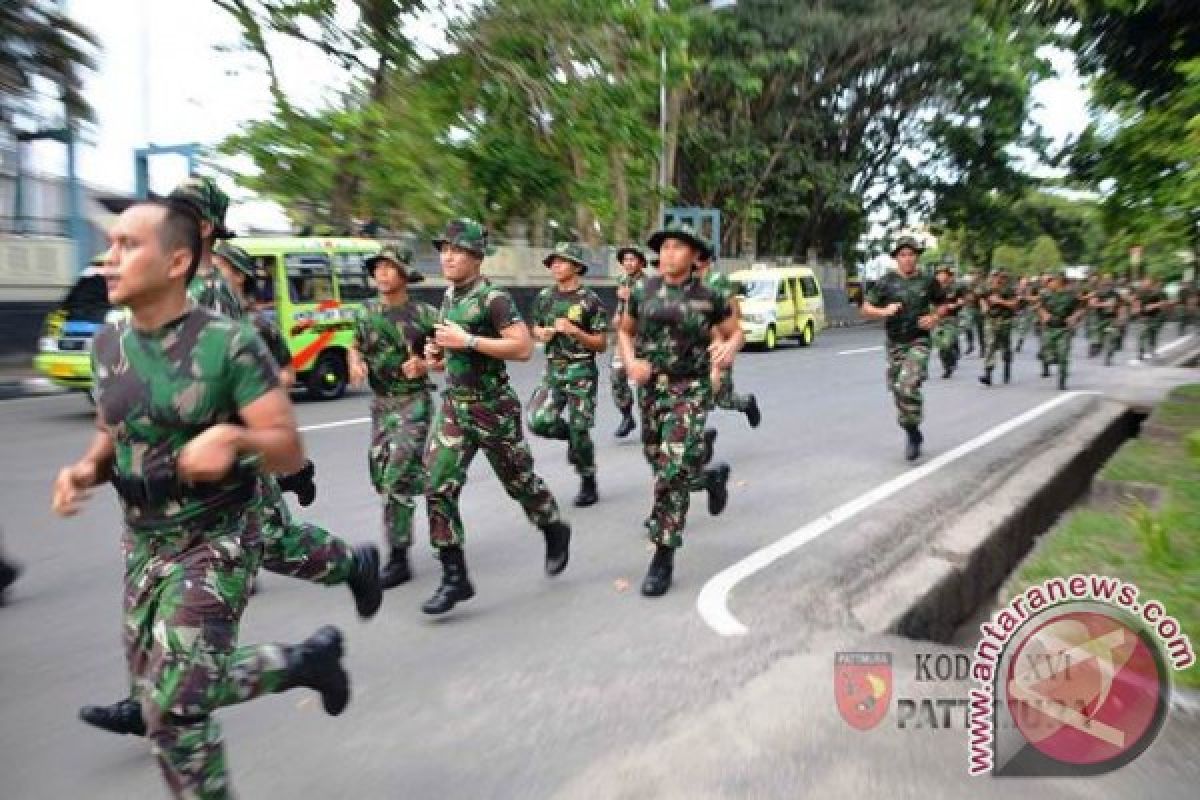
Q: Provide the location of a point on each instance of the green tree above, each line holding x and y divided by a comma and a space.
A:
1044, 256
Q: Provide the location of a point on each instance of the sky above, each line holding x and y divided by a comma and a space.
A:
162, 79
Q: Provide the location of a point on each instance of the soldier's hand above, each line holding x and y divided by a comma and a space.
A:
722, 354
622, 292
358, 372
927, 322
414, 368
542, 334
892, 309
208, 457
434, 358
565, 326
287, 377
450, 335
70, 490
639, 370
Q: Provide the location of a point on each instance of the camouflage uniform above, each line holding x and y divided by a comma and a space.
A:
674, 325
972, 320
209, 289
388, 336
190, 552
621, 391
571, 376
1026, 316
945, 335
1107, 323
907, 344
999, 330
1056, 334
479, 409
1152, 321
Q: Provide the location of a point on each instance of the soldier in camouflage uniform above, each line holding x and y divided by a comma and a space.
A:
1060, 310
724, 397
389, 352
1150, 305
675, 330
633, 266
479, 329
1106, 304
999, 305
209, 289
187, 403
945, 335
1027, 315
569, 319
909, 301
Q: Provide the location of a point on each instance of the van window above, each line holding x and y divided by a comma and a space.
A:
353, 284
809, 284
309, 277
782, 294
264, 283
759, 289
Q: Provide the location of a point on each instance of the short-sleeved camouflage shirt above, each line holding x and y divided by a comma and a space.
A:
1060, 305
1148, 296
674, 325
997, 312
265, 326
387, 336
626, 281
482, 310
208, 289
918, 295
582, 307
1106, 296
158, 390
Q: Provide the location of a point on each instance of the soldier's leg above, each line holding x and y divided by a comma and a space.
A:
980, 333
912, 371
1110, 341
581, 417
545, 412
400, 430
990, 347
1005, 334
622, 394
497, 425
451, 448
299, 549
679, 463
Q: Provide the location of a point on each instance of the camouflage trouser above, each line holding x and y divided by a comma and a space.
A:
973, 324
399, 431
907, 368
673, 418
999, 340
726, 398
621, 392
945, 339
1148, 337
465, 423
1026, 320
1056, 347
1108, 336
578, 398
299, 549
1092, 324
185, 590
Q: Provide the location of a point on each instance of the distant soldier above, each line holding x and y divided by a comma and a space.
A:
1060, 310
909, 302
1150, 305
633, 269
1027, 314
1106, 303
569, 319
479, 329
209, 289
390, 335
945, 335
999, 305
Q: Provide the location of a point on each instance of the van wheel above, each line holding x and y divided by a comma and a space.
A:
806, 337
771, 340
327, 381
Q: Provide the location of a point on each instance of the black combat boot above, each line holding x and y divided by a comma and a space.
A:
912, 449
658, 577
627, 424
316, 663
302, 483
753, 414
587, 492
364, 580
716, 483
454, 587
710, 439
558, 546
123, 716
1045, 369
1007, 371
396, 571
8, 574
986, 377
1062, 377
947, 371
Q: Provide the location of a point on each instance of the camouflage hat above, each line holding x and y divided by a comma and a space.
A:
402, 258
210, 202
682, 233
238, 258
467, 234
631, 250
907, 241
568, 251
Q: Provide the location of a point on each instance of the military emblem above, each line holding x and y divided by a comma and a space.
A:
862, 684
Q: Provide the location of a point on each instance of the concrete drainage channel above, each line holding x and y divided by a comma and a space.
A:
959, 573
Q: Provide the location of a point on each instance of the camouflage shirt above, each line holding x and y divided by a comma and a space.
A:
626, 281
208, 289
918, 295
581, 306
387, 336
482, 310
158, 390
1146, 297
674, 324
953, 295
1105, 296
997, 312
1060, 306
264, 326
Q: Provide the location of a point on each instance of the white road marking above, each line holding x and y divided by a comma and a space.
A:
713, 600
875, 349
339, 424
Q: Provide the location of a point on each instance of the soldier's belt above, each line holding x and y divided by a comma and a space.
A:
476, 395
668, 379
146, 493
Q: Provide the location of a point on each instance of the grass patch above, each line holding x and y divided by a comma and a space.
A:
1159, 551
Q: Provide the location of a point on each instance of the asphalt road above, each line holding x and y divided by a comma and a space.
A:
571, 687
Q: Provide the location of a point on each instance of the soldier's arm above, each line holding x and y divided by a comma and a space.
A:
269, 430
626, 330
94, 468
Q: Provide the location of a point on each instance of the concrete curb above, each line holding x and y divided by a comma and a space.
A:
941, 586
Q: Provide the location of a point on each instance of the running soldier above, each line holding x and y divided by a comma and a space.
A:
999, 304
945, 335
1150, 305
633, 269
1060, 310
569, 319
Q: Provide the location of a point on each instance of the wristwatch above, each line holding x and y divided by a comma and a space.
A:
471, 340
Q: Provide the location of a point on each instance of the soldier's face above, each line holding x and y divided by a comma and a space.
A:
562, 270
631, 264
675, 258
388, 278
906, 260
458, 264
232, 276
138, 267
945, 278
